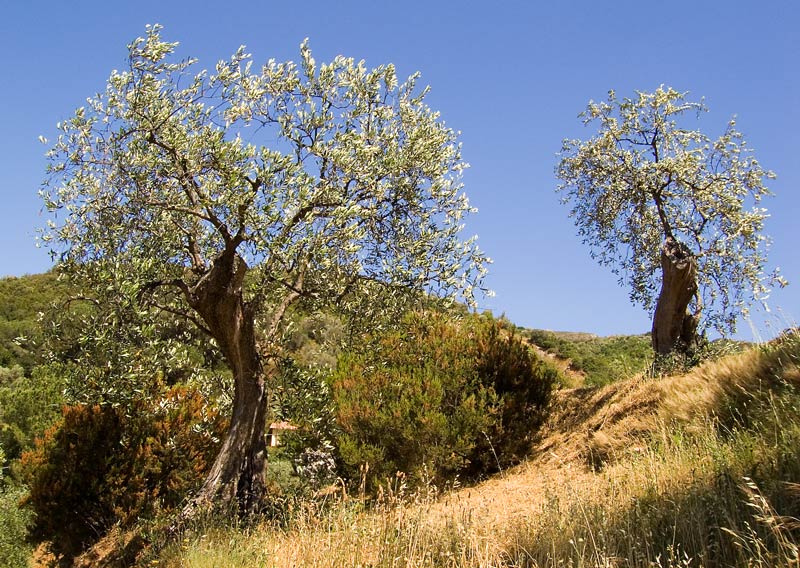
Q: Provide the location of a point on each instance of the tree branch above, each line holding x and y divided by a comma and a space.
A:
295, 291
190, 186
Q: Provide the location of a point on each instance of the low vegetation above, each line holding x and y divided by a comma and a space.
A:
600, 361
696, 468
28, 406
15, 520
104, 467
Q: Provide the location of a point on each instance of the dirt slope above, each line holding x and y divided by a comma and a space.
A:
592, 429
588, 429
574, 378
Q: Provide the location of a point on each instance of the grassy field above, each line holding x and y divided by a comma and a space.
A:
700, 469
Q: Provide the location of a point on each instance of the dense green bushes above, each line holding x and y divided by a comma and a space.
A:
438, 398
448, 395
28, 405
102, 466
14, 549
523, 384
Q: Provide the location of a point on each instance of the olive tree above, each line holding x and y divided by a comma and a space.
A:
676, 214
226, 197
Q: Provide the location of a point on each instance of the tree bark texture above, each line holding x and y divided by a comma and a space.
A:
673, 326
236, 480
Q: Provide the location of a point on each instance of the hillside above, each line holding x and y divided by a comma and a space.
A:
590, 360
695, 469
699, 469
21, 301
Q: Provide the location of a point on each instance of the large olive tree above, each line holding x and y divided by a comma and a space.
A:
226, 197
675, 214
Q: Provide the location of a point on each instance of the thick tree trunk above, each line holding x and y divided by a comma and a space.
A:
674, 328
236, 480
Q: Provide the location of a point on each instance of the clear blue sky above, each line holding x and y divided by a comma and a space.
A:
512, 76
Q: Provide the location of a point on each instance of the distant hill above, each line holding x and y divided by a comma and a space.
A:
586, 357
569, 335
22, 299
599, 360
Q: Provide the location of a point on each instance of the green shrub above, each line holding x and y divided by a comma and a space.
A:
14, 549
610, 359
522, 383
437, 399
28, 405
100, 466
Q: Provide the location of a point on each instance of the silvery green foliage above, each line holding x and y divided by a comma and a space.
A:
643, 177
332, 181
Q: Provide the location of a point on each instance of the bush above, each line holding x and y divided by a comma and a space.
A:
100, 466
28, 405
14, 549
523, 384
437, 399
66, 472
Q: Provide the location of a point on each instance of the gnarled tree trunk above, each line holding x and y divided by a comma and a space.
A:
674, 328
236, 480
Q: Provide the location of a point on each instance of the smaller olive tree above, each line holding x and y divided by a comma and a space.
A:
675, 214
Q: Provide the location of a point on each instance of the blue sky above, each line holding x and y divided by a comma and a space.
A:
512, 76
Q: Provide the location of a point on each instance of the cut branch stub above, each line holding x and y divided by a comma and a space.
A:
673, 326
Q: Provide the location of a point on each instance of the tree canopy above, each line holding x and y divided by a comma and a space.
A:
645, 180
323, 176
